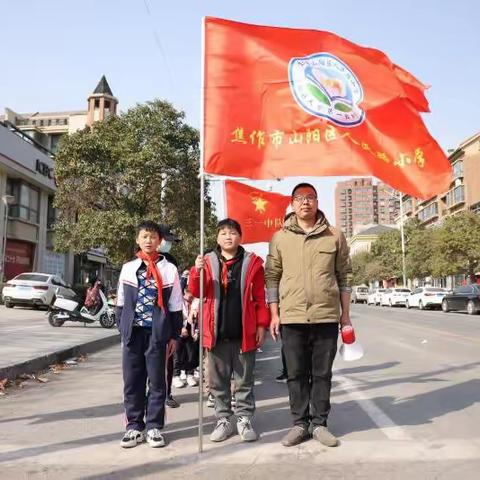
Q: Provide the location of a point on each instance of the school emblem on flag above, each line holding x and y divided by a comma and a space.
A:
326, 87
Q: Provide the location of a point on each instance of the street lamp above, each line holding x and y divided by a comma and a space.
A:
7, 201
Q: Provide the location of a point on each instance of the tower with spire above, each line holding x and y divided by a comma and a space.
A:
101, 103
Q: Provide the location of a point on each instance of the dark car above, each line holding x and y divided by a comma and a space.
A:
466, 298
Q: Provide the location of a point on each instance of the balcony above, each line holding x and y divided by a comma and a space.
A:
428, 213
455, 196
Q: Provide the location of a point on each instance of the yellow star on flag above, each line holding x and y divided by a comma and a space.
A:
260, 204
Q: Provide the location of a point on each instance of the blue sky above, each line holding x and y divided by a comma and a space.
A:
54, 52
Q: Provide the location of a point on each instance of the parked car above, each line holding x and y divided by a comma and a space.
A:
359, 294
35, 289
374, 296
426, 297
392, 297
466, 298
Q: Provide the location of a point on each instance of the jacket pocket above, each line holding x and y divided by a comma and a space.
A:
324, 259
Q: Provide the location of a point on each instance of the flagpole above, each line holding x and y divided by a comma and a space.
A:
202, 246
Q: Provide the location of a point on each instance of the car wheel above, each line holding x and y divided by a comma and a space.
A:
9, 304
471, 310
407, 305
445, 306
420, 305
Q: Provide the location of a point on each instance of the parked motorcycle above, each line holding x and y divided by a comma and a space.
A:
64, 309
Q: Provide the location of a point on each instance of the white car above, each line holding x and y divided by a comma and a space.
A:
374, 296
35, 289
359, 294
392, 297
426, 297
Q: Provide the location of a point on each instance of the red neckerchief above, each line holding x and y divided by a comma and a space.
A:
225, 265
152, 270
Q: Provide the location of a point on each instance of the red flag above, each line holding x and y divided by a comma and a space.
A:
285, 102
259, 213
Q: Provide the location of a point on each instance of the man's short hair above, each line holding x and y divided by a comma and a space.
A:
229, 223
149, 226
304, 185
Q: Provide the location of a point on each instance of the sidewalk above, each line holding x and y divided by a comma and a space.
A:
30, 343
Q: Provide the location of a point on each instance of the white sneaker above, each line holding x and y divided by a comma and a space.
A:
132, 438
245, 430
177, 382
223, 429
183, 375
155, 438
192, 381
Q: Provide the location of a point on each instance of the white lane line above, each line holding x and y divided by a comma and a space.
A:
378, 416
264, 359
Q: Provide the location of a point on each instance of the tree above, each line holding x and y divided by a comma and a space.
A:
359, 268
141, 164
387, 253
459, 245
421, 252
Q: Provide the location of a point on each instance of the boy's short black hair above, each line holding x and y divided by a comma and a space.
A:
304, 185
149, 226
230, 223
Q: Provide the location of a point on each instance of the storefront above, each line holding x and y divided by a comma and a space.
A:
27, 187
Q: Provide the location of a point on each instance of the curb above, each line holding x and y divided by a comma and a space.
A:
41, 363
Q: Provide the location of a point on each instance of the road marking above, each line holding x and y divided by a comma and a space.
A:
264, 359
378, 416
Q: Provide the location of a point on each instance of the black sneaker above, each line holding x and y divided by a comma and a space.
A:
210, 401
132, 438
171, 402
282, 378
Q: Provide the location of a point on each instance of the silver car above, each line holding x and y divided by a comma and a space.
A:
34, 289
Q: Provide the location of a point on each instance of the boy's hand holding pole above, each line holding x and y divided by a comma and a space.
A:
199, 263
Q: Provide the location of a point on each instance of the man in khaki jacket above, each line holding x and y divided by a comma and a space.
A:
308, 276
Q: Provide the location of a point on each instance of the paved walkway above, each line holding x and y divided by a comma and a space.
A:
26, 335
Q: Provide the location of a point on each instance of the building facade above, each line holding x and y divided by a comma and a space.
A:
361, 241
462, 195
33, 139
27, 181
361, 201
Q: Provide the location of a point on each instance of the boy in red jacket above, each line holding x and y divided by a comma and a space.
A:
235, 319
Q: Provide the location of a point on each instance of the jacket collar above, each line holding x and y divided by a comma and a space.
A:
291, 224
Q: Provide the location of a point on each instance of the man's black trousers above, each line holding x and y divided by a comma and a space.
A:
309, 354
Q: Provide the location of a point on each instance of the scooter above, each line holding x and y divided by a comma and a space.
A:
64, 309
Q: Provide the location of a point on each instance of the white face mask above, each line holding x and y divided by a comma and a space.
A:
165, 246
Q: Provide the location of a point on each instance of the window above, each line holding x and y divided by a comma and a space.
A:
27, 199
51, 213
428, 212
456, 195
458, 169
97, 103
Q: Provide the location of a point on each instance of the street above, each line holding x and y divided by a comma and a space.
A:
409, 409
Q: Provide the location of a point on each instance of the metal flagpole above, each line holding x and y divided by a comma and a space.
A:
402, 236
202, 246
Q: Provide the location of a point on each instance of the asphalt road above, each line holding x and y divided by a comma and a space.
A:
410, 409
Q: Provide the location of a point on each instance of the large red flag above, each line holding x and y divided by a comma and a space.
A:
259, 213
285, 102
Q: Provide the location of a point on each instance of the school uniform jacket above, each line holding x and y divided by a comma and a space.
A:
165, 325
255, 312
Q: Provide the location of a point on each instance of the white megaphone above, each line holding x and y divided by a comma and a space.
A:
350, 349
